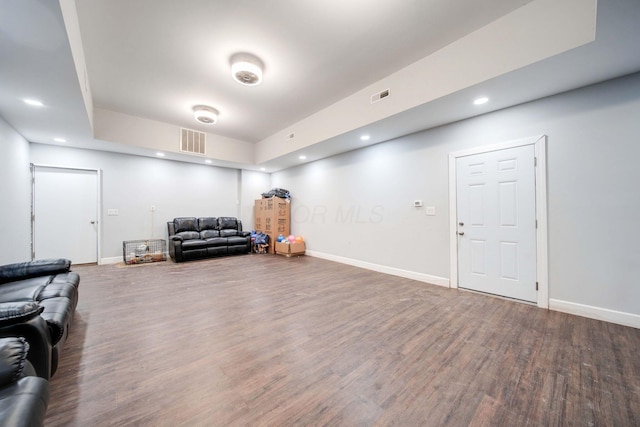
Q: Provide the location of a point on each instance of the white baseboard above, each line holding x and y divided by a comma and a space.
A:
619, 317
110, 260
421, 277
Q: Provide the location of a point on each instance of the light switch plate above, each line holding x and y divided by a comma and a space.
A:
431, 210
112, 212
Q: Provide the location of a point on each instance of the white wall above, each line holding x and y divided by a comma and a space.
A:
133, 184
358, 205
15, 194
252, 185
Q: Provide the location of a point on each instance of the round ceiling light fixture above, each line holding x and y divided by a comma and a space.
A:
205, 114
246, 69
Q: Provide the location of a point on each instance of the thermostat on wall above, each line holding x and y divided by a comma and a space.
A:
417, 203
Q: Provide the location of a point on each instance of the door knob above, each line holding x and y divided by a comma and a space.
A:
461, 224
461, 233
93, 222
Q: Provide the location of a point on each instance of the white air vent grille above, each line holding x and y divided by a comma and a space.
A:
192, 141
376, 97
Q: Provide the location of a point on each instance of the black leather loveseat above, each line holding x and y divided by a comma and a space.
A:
38, 300
193, 238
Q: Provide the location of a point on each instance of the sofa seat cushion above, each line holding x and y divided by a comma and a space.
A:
188, 235
71, 278
216, 241
228, 233
23, 290
54, 290
207, 234
194, 244
237, 241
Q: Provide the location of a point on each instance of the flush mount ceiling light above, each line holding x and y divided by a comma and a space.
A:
480, 101
205, 114
59, 140
246, 69
365, 137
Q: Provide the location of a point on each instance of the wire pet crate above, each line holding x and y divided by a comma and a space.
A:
143, 251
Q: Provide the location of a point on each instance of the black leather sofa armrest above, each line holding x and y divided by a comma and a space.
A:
244, 233
23, 319
12, 313
13, 355
29, 269
176, 238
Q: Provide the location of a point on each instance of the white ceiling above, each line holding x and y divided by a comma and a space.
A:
156, 59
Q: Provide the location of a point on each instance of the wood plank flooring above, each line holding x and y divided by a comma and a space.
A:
261, 340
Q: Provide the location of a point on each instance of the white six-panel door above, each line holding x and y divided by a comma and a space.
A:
496, 222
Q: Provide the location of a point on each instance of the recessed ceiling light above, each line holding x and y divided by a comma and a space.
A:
59, 140
263, 169
480, 101
33, 102
246, 69
159, 154
208, 161
205, 114
303, 157
365, 137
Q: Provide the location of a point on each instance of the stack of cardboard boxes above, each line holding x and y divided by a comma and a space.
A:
272, 217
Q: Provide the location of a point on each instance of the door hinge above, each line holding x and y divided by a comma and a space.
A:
536, 223
535, 161
536, 286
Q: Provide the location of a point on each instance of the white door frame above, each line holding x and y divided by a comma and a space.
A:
542, 258
98, 206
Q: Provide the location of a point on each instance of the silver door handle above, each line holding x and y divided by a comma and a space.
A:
93, 222
461, 233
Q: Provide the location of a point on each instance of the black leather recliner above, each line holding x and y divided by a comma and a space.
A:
194, 238
53, 287
23, 397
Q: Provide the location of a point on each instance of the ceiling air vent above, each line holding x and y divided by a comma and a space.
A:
192, 141
376, 97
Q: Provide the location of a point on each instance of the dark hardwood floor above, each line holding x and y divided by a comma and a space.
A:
261, 340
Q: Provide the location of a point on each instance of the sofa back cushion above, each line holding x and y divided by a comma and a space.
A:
228, 232
208, 234
227, 222
207, 223
185, 224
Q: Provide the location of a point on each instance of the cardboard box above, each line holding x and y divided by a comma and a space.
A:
290, 249
272, 216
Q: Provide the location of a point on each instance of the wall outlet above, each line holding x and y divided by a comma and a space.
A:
153, 208
431, 210
112, 212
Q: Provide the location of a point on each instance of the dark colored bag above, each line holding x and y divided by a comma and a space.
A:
277, 192
261, 239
